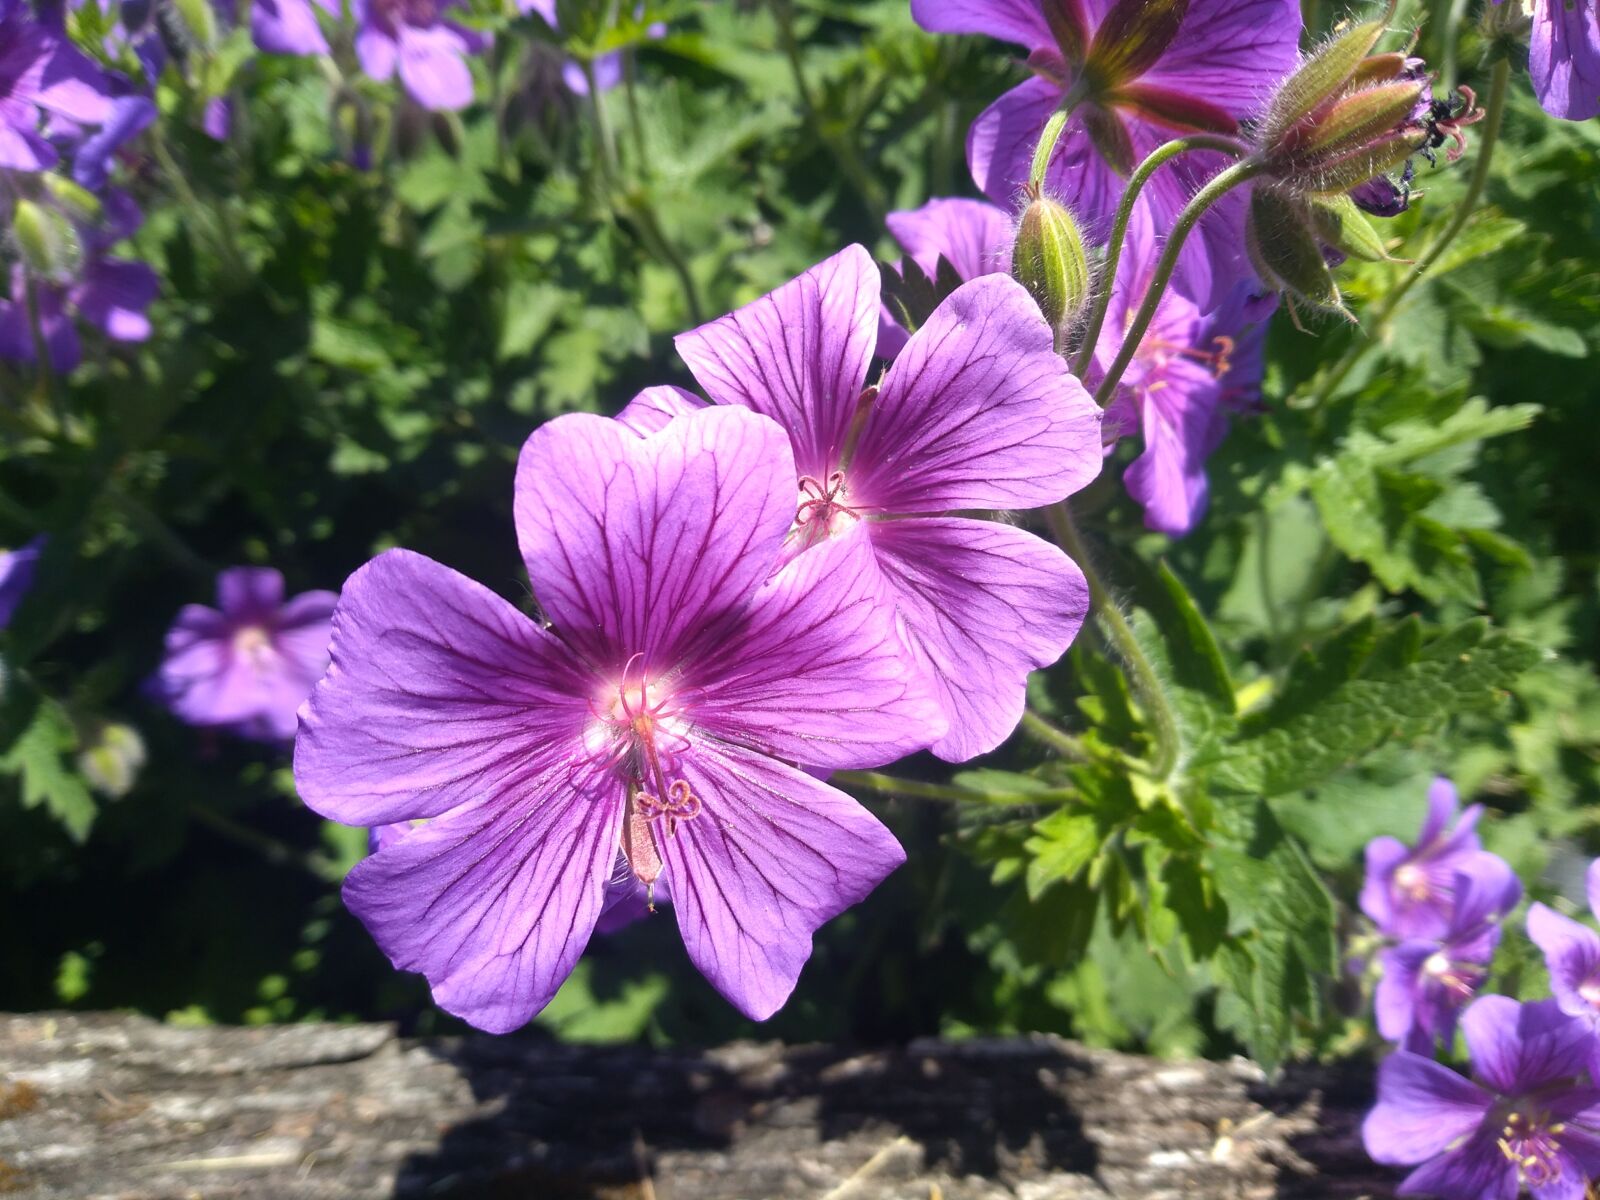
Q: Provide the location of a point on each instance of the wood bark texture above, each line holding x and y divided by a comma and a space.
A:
121, 1106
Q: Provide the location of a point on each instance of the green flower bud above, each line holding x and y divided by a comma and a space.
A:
1339, 222
1321, 77
111, 758
76, 201
1281, 241
1049, 260
46, 240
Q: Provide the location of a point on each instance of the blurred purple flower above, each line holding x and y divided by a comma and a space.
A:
248, 664
42, 73
607, 68
1529, 1117
111, 294
1145, 73
658, 714
1191, 369
1564, 57
1428, 981
1410, 892
290, 26
977, 413
16, 576
1572, 953
95, 154
430, 53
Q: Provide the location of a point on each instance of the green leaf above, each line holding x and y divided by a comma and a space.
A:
39, 738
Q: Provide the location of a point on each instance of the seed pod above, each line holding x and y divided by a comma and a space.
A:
1321, 77
1049, 260
1285, 251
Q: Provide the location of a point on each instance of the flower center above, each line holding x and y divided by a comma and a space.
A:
823, 509
638, 733
1589, 991
253, 644
1458, 980
1529, 1141
1412, 881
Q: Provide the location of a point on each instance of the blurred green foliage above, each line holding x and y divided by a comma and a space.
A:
1398, 575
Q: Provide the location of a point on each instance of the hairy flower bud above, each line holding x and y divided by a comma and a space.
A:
1049, 260
1281, 239
45, 240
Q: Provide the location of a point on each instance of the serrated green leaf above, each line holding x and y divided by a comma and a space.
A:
38, 757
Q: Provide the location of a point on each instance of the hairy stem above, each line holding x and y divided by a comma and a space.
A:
1219, 185
1494, 114
1048, 734
1146, 683
1119, 229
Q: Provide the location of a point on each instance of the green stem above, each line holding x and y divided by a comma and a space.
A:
1047, 734
273, 851
893, 785
1146, 682
605, 148
1119, 229
1452, 37
222, 226
1219, 185
1494, 115
44, 379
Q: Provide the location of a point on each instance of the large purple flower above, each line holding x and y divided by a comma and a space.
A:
429, 52
248, 664
42, 73
1141, 73
1428, 981
1529, 1118
16, 576
1564, 57
659, 714
977, 412
1191, 369
1572, 953
1410, 892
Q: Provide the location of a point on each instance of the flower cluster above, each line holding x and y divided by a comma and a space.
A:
742, 595
1530, 1114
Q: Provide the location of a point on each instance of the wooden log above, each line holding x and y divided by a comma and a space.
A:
106, 1105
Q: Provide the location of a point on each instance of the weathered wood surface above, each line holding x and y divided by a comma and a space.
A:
116, 1106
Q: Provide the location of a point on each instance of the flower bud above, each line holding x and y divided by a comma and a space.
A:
200, 20
1050, 262
111, 758
1320, 78
1281, 240
45, 240
75, 200
1339, 222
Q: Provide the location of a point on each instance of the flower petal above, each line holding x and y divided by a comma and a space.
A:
634, 544
974, 235
377, 52
1476, 1170
978, 411
440, 693
287, 27
249, 592
1020, 21
495, 901
1519, 1048
1572, 954
1394, 1003
1001, 142
981, 605
1231, 52
1564, 58
1422, 1108
651, 409
433, 67
813, 672
773, 856
798, 355
113, 296
1442, 807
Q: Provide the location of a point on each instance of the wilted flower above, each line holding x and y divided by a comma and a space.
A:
429, 52
1428, 981
1410, 893
248, 664
42, 73
976, 413
1572, 953
1139, 72
658, 715
16, 576
1529, 1117
1564, 57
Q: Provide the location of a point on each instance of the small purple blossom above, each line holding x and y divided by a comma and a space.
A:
290, 26
973, 236
110, 294
657, 716
16, 576
1572, 954
96, 153
248, 664
1528, 1117
429, 52
607, 68
1564, 57
41, 74
976, 413
1142, 74
1410, 892
1428, 981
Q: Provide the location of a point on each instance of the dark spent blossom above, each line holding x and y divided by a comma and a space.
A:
1409, 892
658, 717
17, 568
1426, 982
1139, 72
976, 413
1529, 1116
1572, 954
248, 664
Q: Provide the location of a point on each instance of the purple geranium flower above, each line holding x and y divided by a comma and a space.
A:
658, 715
1190, 370
977, 412
1428, 981
1572, 953
42, 73
95, 154
413, 37
1529, 1118
16, 576
1564, 57
1142, 74
110, 294
1410, 893
291, 26
973, 236
248, 664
